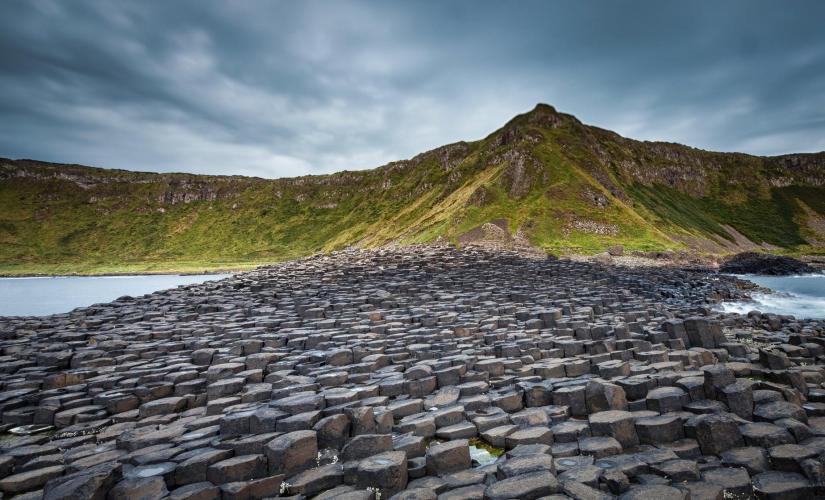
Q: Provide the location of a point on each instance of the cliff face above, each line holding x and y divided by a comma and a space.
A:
556, 184
176, 188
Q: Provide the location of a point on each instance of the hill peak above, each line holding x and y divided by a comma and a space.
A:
542, 115
543, 108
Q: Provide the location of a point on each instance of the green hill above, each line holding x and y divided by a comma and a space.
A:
544, 179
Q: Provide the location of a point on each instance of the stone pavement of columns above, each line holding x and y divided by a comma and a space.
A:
417, 373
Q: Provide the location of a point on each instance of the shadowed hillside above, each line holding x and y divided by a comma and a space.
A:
544, 179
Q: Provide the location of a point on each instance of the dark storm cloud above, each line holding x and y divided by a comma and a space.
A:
287, 88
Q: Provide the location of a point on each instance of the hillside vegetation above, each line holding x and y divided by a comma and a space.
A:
544, 179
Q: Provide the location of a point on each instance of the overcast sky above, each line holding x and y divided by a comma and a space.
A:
274, 89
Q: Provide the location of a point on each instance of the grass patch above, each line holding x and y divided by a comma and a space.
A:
772, 219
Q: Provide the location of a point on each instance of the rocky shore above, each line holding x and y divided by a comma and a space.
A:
417, 373
765, 264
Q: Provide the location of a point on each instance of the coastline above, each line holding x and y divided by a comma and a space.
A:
799, 295
61, 271
126, 273
676, 260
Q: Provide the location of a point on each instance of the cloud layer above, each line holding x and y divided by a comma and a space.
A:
280, 88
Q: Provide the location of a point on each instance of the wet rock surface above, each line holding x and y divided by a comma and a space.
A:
417, 373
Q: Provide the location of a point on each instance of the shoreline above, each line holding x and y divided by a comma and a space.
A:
779, 298
696, 262
140, 270
126, 273
628, 261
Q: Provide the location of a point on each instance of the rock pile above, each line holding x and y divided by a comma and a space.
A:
764, 263
380, 374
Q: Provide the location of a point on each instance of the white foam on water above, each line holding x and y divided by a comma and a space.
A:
799, 306
787, 299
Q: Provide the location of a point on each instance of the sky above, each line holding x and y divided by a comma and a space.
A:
285, 88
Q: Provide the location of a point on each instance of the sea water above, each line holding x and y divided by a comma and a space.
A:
38, 296
802, 296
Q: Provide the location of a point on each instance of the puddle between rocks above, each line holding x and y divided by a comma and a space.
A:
29, 430
482, 453
150, 471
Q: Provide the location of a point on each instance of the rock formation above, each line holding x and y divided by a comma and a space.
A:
383, 374
762, 263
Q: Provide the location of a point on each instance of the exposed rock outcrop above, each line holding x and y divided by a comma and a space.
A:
762, 263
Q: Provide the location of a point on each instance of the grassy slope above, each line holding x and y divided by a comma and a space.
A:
567, 187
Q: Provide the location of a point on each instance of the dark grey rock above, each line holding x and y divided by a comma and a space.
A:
448, 457
526, 486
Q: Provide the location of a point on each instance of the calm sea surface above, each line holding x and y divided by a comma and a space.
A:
802, 296
41, 296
